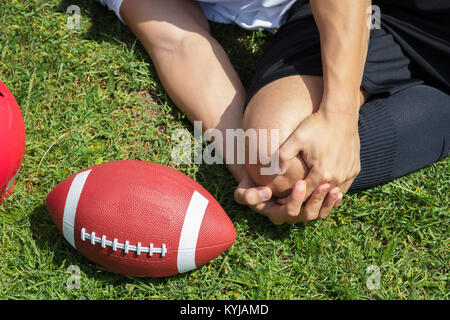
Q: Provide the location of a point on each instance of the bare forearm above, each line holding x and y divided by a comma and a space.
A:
344, 37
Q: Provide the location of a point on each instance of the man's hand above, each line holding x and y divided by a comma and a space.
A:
328, 139
329, 144
292, 209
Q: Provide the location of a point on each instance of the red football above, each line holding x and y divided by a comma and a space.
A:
12, 141
140, 218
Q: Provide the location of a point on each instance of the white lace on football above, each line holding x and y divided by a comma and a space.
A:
126, 247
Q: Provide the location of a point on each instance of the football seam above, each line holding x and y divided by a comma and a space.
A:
126, 247
169, 251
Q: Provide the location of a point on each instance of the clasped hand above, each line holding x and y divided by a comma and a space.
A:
329, 144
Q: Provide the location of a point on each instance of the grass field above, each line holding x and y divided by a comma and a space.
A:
91, 95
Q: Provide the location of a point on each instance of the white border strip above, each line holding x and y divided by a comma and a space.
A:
70, 208
190, 231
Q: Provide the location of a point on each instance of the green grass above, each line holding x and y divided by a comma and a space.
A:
91, 95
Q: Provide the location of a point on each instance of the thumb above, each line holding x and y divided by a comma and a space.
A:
251, 196
289, 150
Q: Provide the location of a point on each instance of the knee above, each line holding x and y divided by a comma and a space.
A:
426, 117
281, 185
422, 112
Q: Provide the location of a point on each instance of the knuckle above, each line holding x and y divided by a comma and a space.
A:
237, 196
292, 212
283, 154
298, 138
252, 197
246, 197
276, 221
310, 216
324, 215
336, 180
296, 135
325, 211
325, 175
316, 197
339, 179
329, 201
299, 219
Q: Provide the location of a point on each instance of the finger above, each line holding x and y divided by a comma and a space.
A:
329, 202
277, 220
269, 210
289, 150
280, 214
285, 200
344, 187
314, 179
295, 200
252, 196
339, 200
312, 207
239, 193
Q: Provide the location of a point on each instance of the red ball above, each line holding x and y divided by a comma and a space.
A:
12, 141
140, 218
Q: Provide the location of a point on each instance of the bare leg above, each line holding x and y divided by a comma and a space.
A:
192, 66
283, 105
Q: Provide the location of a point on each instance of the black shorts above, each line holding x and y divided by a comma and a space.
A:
412, 46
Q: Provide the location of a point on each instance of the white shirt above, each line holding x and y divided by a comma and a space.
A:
248, 14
